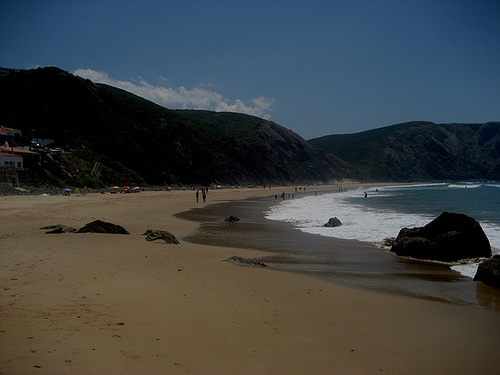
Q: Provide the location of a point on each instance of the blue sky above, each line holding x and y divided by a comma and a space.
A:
316, 67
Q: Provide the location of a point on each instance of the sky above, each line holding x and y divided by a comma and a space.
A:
315, 67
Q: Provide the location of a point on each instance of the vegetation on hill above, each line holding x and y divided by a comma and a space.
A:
420, 151
114, 137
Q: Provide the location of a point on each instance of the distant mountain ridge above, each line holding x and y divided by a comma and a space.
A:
420, 151
116, 137
120, 138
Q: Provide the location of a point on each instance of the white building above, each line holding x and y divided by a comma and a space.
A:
11, 160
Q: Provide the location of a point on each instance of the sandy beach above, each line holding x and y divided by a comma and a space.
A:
84, 303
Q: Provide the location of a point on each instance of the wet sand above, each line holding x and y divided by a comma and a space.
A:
98, 304
349, 262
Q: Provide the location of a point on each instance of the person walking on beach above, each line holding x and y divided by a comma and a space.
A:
204, 195
197, 195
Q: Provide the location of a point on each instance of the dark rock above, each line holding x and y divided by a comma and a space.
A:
332, 223
59, 228
99, 226
246, 262
232, 219
449, 238
156, 234
489, 272
388, 242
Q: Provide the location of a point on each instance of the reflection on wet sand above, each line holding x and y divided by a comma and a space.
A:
348, 262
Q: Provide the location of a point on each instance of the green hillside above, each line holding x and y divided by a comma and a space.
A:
420, 151
134, 141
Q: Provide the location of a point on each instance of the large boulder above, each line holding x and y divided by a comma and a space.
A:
99, 226
489, 272
449, 238
332, 223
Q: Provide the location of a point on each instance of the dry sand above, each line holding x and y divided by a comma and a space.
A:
117, 304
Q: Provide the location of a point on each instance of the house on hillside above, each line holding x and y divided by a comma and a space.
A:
10, 160
16, 157
10, 132
41, 142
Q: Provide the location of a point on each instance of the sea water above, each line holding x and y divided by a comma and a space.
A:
376, 213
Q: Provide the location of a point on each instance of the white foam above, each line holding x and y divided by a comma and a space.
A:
464, 186
412, 186
468, 270
360, 222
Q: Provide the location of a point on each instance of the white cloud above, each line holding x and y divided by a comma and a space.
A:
181, 97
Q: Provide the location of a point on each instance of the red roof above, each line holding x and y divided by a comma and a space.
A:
9, 131
11, 155
18, 150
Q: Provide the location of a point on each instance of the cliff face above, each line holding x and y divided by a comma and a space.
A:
421, 151
136, 140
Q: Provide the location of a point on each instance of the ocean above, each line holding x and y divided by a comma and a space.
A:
385, 210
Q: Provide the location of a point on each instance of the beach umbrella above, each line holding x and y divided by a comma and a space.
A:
68, 190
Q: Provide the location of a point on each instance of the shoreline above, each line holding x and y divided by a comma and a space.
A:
343, 261
94, 303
